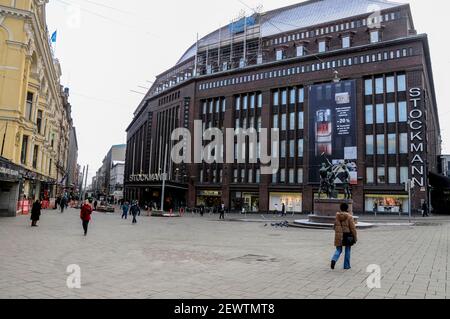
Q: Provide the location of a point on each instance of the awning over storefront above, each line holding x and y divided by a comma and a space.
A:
9, 172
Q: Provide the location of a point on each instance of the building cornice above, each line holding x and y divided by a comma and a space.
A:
15, 12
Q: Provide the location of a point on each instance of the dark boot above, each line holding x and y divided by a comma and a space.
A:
333, 264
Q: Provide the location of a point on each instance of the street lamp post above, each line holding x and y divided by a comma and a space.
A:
164, 176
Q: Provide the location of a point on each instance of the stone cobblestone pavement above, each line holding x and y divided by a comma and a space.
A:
191, 257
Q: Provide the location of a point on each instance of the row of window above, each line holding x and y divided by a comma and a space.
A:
391, 178
374, 19
216, 106
295, 123
389, 113
394, 146
388, 84
24, 154
245, 102
283, 150
326, 65
295, 95
281, 178
323, 45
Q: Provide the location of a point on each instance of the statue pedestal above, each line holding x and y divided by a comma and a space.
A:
324, 216
325, 210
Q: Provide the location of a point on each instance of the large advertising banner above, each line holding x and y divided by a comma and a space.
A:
333, 135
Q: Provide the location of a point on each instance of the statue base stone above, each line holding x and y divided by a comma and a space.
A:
324, 216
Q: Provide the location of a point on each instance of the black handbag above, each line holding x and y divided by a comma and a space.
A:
348, 239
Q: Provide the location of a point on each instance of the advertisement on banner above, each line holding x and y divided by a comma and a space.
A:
333, 129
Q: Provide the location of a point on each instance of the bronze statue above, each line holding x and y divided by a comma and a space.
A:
329, 174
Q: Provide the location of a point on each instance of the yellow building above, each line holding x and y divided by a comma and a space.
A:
34, 115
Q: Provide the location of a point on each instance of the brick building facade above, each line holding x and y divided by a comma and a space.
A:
268, 84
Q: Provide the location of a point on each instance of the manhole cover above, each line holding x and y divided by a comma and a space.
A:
254, 258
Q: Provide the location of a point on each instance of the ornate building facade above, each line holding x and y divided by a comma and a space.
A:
35, 117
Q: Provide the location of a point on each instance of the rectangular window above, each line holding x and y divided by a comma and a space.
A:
276, 97
245, 103
280, 54
404, 175
368, 86
381, 175
252, 101
380, 113
283, 149
24, 151
204, 107
392, 144
39, 121
392, 175
370, 178
284, 97
402, 112
322, 46
258, 176
29, 106
300, 176
282, 175
211, 107
275, 121
390, 84
391, 113
283, 122
291, 176
301, 121
301, 95
404, 143
275, 177
300, 148
379, 86
35, 156
381, 150
260, 100
292, 96
250, 176
369, 145
346, 42
292, 121
224, 105
401, 83
50, 167
300, 50
243, 176
235, 176
369, 114
238, 103
374, 36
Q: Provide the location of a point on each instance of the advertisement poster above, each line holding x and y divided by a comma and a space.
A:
333, 136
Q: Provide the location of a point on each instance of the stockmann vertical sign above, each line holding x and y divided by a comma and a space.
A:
417, 146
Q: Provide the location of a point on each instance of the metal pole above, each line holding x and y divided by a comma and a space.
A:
164, 181
409, 199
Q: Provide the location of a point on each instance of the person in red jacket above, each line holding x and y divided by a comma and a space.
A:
85, 215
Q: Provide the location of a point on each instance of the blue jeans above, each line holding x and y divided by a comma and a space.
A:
348, 254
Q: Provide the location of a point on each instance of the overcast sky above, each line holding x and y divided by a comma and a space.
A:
115, 46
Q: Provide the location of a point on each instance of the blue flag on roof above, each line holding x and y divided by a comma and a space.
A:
54, 35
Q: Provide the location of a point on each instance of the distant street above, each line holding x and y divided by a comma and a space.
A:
191, 257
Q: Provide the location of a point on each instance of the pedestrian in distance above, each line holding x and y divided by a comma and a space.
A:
283, 210
346, 236
202, 210
135, 210
62, 204
125, 209
95, 205
36, 213
425, 209
85, 215
222, 212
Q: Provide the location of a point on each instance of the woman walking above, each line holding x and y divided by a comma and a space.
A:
85, 215
346, 236
36, 213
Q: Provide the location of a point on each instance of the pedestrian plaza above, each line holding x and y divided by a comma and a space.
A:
194, 257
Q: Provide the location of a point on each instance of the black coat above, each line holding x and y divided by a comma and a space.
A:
36, 211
